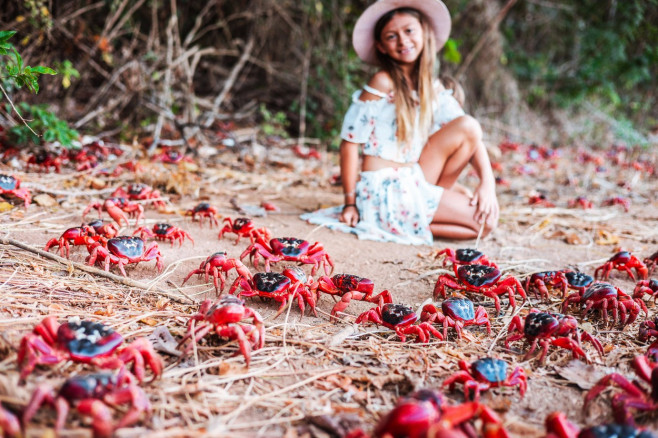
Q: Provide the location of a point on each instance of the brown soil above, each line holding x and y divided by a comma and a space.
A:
313, 377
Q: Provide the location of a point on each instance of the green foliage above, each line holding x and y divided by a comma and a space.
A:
15, 72
273, 123
451, 51
67, 71
569, 52
44, 121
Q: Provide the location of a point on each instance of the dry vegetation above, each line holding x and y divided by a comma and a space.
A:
313, 377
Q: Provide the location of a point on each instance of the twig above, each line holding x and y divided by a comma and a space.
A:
16, 111
92, 270
230, 81
304, 92
477, 241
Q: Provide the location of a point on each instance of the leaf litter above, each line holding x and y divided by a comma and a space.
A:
314, 378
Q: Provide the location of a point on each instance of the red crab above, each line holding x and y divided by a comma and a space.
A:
86, 342
140, 192
482, 279
557, 426
93, 231
170, 155
162, 231
289, 285
485, 373
540, 200
349, 287
539, 280
401, 319
289, 249
10, 426
203, 209
93, 395
457, 312
633, 394
107, 230
623, 261
649, 329
10, 186
605, 296
244, 227
580, 202
578, 280
548, 328
464, 256
217, 265
73, 236
44, 160
651, 262
227, 319
618, 200
117, 209
424, 414
646, 287
124, 250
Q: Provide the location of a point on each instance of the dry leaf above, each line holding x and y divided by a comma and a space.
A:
97, 183
583, 375
606, 238
149, 321
44, 200
546, 222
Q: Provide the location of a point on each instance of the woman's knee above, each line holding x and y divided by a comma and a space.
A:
470, 127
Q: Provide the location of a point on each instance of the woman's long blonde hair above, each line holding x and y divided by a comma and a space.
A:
424, 70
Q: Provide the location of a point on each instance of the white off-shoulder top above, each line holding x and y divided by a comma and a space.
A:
373, 124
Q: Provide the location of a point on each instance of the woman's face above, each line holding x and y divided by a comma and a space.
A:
402, 38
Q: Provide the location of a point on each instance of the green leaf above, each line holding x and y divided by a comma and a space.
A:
451, 52
6, 34
43, 70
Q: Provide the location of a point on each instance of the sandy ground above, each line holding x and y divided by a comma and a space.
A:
529, 239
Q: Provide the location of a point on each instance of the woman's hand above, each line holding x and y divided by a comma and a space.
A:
486, 203
350, 215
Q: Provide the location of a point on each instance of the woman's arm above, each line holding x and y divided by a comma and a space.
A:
349, 170
485, 195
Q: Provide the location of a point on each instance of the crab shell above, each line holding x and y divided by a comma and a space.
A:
546, 324
478, 276
289, 246
489, 369
271, 283
412, 415
459, 309
86, 340
394, 315
126, 246
84, 386
578, 280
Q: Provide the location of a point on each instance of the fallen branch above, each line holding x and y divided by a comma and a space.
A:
91, 270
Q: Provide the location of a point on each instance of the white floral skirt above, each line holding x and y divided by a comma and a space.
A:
395, 205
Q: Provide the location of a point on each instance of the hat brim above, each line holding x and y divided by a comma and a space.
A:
363, 38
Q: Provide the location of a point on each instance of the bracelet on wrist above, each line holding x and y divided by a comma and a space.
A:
349, 205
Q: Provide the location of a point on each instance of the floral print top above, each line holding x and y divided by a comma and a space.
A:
373, 124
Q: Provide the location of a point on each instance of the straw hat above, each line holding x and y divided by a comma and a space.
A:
363, 38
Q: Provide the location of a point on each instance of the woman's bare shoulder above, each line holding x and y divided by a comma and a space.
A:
381, 82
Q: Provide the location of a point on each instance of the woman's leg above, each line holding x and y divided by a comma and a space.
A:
454, 218
449, 150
